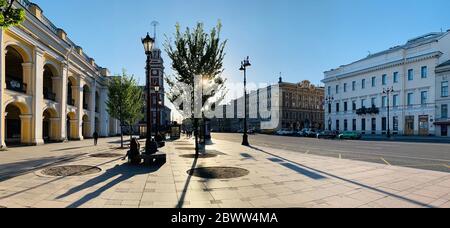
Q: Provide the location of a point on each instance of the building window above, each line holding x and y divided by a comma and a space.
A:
410, 74
345, 125
444, 111
337, 89
384, 79
444, 89
410, 99
363, 103
354, 105
363, 84
374, 126
353, 86
395, 121
329, 90
345, 107
424, 72
384, 124
395, 77
395, 101
354, 125
424, 98
337, 125
374, 81
384, 102
374, 101
345, 87
337, 107
363, 125
329, 108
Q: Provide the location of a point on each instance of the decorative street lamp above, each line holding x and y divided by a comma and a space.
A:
329, 101
150, 145
157, 138
388, 92
244, 65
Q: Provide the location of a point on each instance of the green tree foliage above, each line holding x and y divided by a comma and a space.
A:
195, 52
10, 16
125, 100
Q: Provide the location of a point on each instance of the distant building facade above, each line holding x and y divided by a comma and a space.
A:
442, 99
300, 106
356, 98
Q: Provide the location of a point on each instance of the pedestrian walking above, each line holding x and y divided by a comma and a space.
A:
95, 138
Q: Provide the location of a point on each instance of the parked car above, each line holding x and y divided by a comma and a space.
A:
350, 135
327, 135
284, 132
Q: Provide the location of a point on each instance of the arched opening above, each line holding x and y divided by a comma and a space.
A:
13, 125
97, 125
17, 124
49, 125
70, 96
14, 71
48, 83
86, 129
86, 97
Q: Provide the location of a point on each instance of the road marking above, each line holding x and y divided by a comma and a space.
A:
387, 163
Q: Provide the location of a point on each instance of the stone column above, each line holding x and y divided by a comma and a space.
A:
28, 77
104, 117
38, 97
63, 102
92, 108
78, 90
2, 89
26, 129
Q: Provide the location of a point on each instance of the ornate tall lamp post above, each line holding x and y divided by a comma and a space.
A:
150, 145
388, 92
244, 65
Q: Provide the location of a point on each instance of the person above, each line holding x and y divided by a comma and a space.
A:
95, 138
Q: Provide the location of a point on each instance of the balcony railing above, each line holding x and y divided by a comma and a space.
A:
48, 95
364, 111
16, 85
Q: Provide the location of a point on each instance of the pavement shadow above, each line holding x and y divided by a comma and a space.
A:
11, 170
180, 203
119, 172
346, 180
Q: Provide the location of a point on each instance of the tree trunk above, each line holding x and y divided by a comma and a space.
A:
121, 136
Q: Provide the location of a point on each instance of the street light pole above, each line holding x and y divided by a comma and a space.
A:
388, 92
329, 101
150, 145
244, 65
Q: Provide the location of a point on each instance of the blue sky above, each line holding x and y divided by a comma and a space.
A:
300, 38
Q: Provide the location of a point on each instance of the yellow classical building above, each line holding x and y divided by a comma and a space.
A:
50, 90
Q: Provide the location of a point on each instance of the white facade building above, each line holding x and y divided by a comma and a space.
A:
355, 91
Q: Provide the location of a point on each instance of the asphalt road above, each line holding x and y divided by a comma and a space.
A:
429, 156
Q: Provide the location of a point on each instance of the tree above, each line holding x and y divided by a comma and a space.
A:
125, 101
10, 16
196, 53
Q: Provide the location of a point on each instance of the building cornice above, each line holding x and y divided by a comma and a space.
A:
384, 66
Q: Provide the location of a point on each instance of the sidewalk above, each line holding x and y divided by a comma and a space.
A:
277, 178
